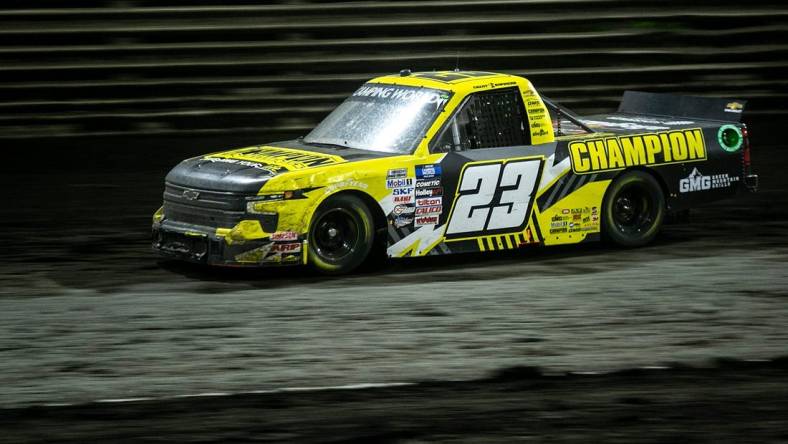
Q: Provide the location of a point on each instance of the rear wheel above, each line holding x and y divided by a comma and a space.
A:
633, 209
341, 235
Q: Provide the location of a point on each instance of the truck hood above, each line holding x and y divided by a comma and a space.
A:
246, 170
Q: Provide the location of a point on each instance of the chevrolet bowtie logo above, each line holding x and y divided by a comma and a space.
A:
190, 194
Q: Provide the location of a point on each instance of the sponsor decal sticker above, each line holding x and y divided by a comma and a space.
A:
397, 173
427, 171
294, 247
696, 181
287, 158
402, 191
397, 94
572, 220
423, 211
399, 183
284, 236
429, 202
541, 132
615, 153
402, 209
402, 221
346, 184
426, 220
429, 192
404, 199
270, 170
428, 183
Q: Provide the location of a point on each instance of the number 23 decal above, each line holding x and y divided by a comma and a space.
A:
494, 197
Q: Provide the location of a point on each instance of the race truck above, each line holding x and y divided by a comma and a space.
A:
436, 163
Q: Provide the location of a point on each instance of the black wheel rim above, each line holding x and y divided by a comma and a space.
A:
634, 209
336, 234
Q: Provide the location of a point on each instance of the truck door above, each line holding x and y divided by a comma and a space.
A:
490, 173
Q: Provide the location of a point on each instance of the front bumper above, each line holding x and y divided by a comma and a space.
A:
210, 246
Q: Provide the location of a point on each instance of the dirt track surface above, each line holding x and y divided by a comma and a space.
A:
87, 312
733, 402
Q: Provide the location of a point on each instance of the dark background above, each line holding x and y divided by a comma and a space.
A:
241, 72
98, 99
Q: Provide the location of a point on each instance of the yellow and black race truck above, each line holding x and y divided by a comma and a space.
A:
433, 163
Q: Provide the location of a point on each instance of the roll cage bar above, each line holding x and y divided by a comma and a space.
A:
571, 116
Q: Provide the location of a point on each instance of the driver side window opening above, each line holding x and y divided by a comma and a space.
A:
486, 120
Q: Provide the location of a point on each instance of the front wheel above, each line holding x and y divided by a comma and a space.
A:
633, 209
341, 235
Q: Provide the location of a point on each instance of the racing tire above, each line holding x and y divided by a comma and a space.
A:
633, 209
341, 235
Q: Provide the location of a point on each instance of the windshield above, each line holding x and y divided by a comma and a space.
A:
379, 117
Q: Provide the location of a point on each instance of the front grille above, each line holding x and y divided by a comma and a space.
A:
203, 207
201, 215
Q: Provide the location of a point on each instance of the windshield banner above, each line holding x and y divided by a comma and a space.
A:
403, 94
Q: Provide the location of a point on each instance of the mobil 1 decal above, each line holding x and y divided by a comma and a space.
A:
494, 197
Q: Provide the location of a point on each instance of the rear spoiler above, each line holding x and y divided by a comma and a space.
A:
705, 108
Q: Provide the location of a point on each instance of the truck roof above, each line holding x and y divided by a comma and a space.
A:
442, 79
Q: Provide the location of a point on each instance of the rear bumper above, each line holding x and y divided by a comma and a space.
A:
202, 245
